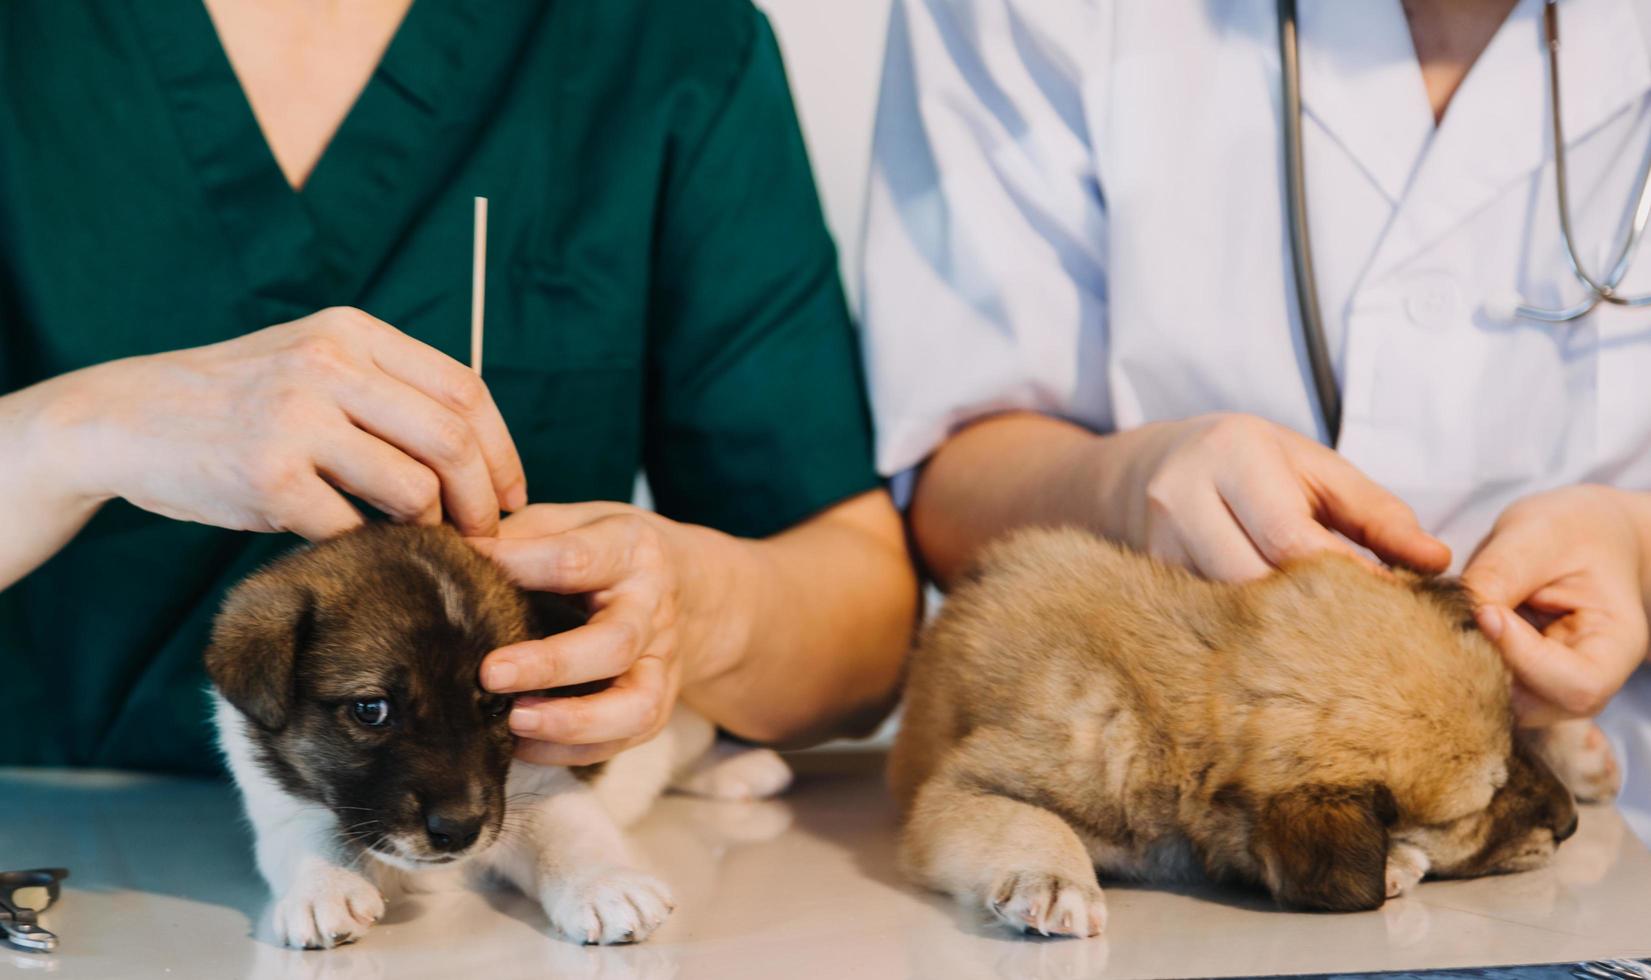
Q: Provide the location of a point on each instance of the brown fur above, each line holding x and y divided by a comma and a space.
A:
1078, 705
404, 614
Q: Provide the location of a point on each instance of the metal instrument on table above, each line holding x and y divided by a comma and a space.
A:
19, 922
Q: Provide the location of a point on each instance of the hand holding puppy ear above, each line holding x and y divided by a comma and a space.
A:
645, 586
1571, 560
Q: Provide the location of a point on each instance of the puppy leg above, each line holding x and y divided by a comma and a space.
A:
568, 852
631, 781
1406, 865
734, 772
1021, 863
322, 899
1580, 755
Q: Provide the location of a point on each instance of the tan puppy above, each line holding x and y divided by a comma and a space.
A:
1326, 732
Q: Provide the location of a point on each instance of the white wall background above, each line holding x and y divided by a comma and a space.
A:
834, 55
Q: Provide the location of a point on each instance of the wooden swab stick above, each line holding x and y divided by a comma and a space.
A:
478, 283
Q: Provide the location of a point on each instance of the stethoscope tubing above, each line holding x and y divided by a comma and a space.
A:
1301, 251
1600, 290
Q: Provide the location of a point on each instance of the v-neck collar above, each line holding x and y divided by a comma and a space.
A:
1497, 129
415, 119
1360, 82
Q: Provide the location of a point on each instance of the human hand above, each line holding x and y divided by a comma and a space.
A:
263, 431
644, 580
1570, 560
1234, 496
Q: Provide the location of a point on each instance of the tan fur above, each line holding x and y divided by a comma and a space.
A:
1076, 704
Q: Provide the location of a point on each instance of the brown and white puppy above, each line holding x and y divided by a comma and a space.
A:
369, 757
1328, 733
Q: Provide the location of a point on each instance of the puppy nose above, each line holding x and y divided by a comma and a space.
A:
1569, 830
451, 832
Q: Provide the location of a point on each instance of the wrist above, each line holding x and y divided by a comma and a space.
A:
717, 589
46, 426
1108, 478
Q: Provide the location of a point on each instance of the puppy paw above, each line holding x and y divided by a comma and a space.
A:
1581, 756
327, 908
607, 906
1052, 905
1406, 866
742, 774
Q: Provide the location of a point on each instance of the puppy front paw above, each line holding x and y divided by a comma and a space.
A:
1053, 905
745, 774
327, 908
607, 905
1582, 758
1406, 865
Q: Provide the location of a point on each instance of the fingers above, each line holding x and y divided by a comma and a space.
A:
382, 475
544, 519
605, 647
316, 511
632, 708
1202, 534
462, 391
1265, 499
1512, 564
1576, 680
436, 437
587, 558
1357, 507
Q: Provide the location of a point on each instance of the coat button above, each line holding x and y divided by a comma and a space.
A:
1434, 301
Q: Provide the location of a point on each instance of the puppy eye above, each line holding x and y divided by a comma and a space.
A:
373, 713
497, 707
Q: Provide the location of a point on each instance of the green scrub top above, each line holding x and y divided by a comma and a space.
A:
662, 292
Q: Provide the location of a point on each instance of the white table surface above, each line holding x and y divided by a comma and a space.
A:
162, 885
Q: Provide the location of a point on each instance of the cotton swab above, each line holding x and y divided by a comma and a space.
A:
478, 283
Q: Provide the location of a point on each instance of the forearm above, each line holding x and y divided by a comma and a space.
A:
41, 507
810, 627
1018, 470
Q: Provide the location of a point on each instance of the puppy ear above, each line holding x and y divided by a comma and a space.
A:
552, 613
1325, 847
264, 624
1452, 598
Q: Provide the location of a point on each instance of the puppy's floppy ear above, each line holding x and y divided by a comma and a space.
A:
550, 613
1325, 847
264, 624
1451, 596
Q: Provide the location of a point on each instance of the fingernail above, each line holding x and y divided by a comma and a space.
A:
499, 676
1490, 620
516, 497
523, 721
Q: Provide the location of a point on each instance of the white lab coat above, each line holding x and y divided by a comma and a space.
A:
1076, 207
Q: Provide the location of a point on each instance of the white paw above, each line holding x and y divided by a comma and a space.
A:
608, 905
741, 774
1581, 757
1406, 866
327, 908
1053, 905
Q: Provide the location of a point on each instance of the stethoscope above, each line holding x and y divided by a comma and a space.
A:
1601, 289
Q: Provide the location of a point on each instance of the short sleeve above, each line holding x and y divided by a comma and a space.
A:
985, 259
757, 416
